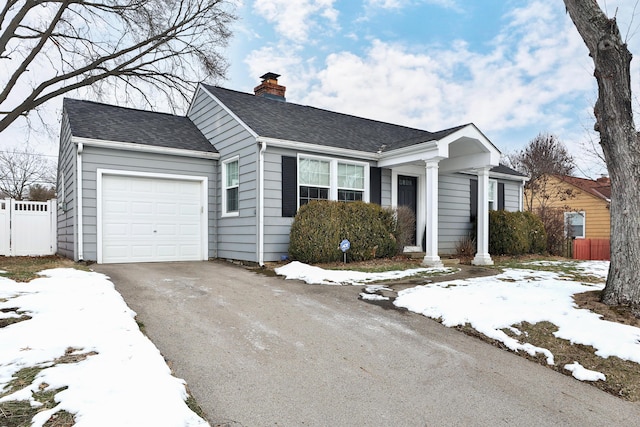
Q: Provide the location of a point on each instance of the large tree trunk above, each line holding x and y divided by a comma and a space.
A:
619, 140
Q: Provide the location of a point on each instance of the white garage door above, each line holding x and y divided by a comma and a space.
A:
151, 219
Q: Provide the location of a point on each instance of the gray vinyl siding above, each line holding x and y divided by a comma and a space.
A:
276, 228
237, 235
386, 188
454, 208
94, 158
511, 195
454, 204
66, 220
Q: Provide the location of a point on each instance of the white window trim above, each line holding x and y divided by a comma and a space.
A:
584, 223
224, 213
493, 202
333, 176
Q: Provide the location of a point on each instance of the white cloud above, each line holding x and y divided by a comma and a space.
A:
399, 4
535, 70
295, 19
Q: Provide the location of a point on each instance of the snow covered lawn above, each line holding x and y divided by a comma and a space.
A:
493, 305
86, 347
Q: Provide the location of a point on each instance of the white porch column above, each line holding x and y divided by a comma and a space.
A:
482, 255
431, 258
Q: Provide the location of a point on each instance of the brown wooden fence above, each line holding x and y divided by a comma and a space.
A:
591, 249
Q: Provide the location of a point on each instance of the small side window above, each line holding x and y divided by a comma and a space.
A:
231, 184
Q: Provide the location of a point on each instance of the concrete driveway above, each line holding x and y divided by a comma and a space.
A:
261, 351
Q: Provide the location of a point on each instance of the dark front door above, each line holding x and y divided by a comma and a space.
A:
408, 196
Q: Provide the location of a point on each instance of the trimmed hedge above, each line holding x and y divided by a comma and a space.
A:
320, 226
515, 233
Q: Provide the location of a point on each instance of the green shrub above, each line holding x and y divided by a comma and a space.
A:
515, 233
320, 226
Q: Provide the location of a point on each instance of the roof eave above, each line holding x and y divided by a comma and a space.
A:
316, 148
134, 146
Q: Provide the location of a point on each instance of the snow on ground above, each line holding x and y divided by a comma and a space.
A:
583, 374
491, 304
319, 276
127, 383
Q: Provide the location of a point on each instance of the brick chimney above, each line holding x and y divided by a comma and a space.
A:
604, 179
269, 88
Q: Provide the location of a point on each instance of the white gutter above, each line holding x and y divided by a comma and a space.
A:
497, 175
305, 146
79, 201
263, 147
132, 146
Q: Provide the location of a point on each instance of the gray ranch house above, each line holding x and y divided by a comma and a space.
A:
225, 180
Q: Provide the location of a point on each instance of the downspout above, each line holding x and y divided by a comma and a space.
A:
263, 147
79, 202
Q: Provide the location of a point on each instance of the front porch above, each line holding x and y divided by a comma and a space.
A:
464, 153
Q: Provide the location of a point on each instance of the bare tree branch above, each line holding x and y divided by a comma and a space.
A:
544, 155
21, 169
167, 46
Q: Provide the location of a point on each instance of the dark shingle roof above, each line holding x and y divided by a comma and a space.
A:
293, 122
111, 123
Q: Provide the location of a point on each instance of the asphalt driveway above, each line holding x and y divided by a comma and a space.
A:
260, 351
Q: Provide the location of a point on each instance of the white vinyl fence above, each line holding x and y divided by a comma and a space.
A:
27, 228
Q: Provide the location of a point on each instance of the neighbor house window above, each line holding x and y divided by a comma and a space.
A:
350, 182
574, 224
330, 179
493, 195
231, 180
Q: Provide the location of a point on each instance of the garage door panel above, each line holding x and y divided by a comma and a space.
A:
142, 208
143, 251
186, 209
151, 219
116, 207
116, 229
141, 185
141, 230
188, 251
187, 230
115, 251
167, 208
164, 230
167, 251
188, 190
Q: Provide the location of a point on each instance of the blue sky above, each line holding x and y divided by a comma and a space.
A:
514, 68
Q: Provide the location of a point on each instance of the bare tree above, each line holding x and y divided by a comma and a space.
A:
19, 170
620, 146
41, 193
52, 47
543, 156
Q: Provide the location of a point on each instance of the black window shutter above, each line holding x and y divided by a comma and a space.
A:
289, 186
375, 184
501, 196
474, 200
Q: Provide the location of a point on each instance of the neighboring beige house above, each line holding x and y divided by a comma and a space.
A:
585, 203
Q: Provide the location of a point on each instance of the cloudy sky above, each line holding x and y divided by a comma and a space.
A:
515, 68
